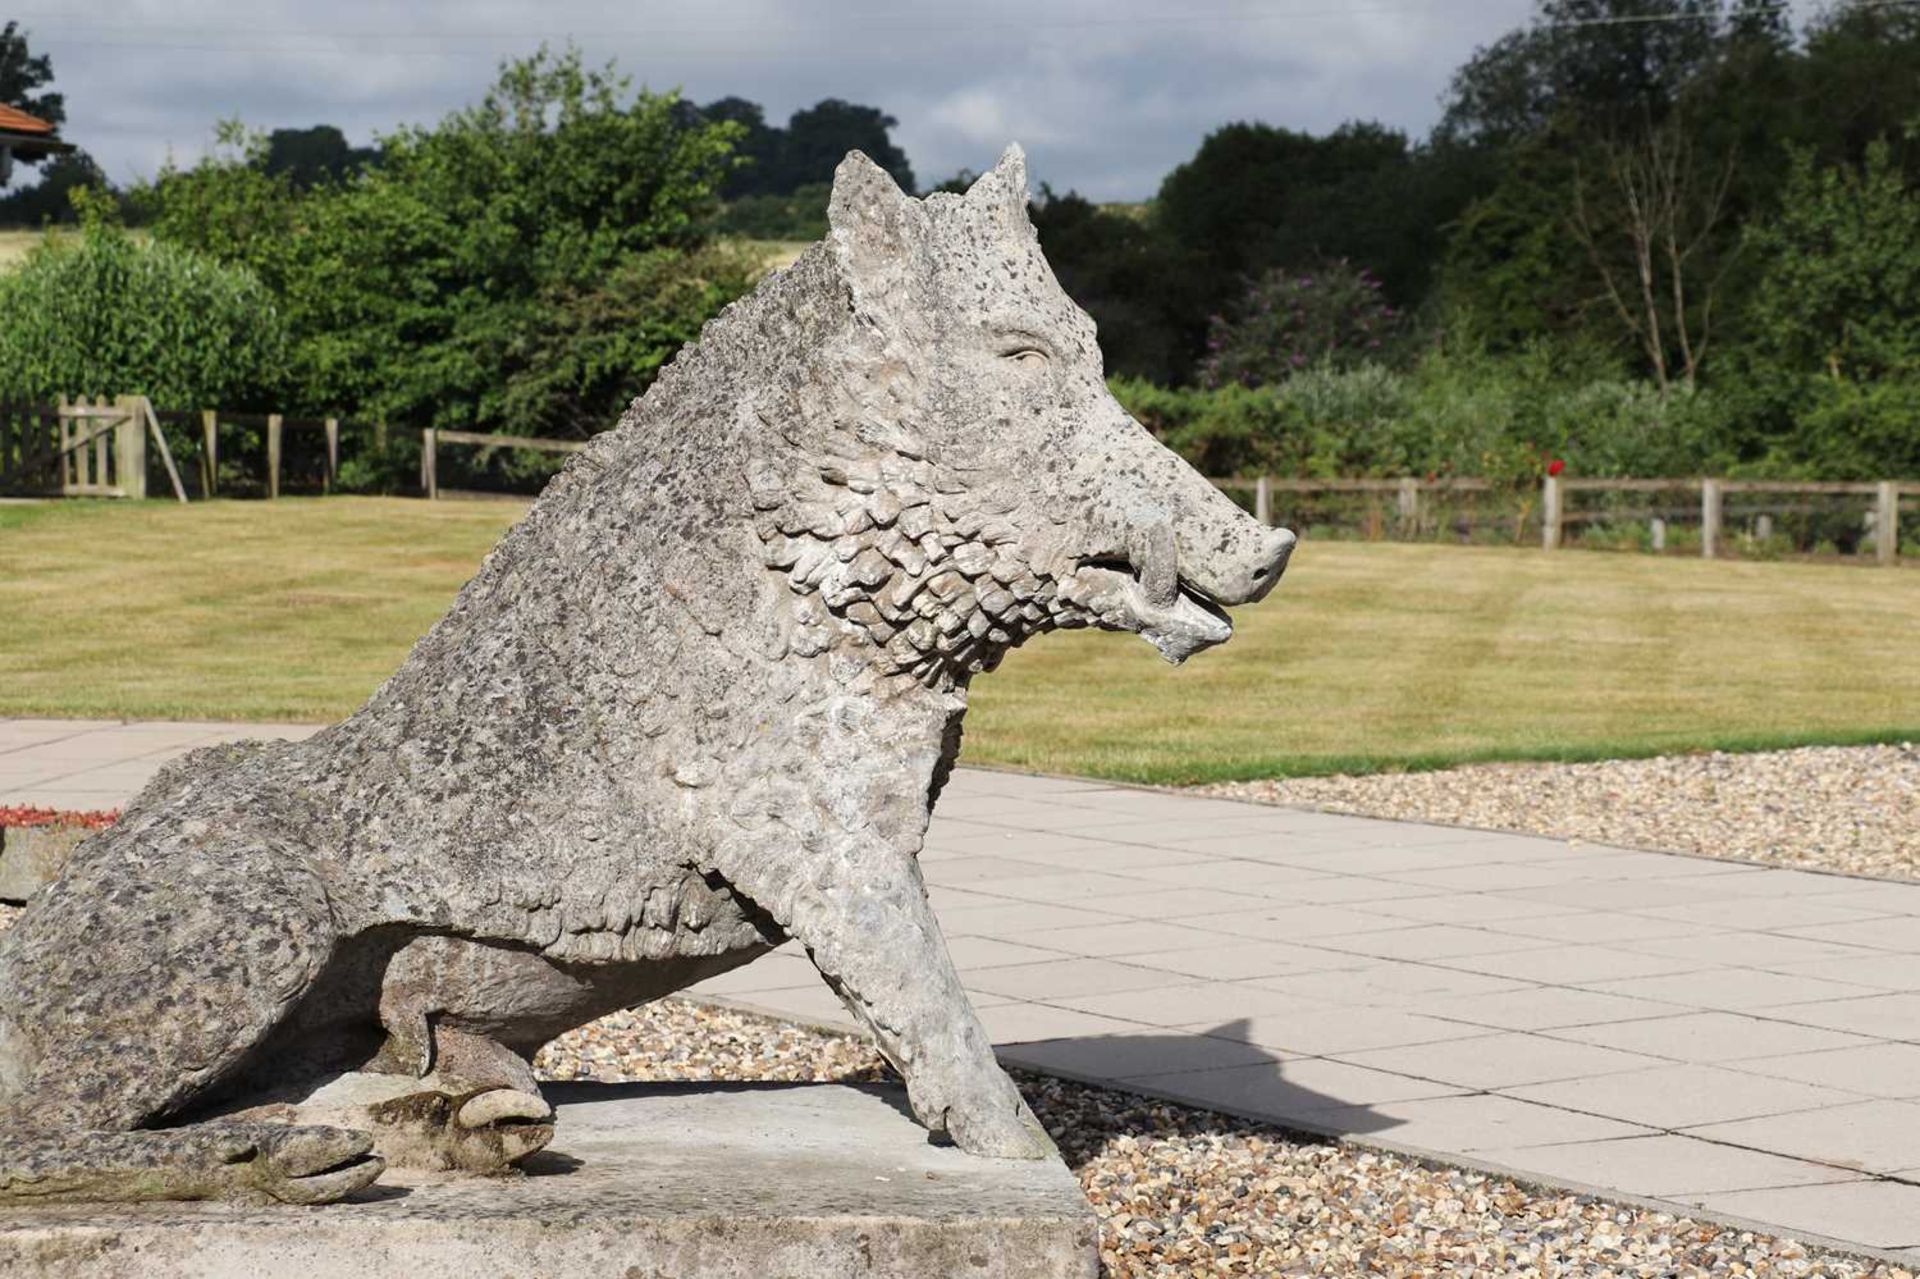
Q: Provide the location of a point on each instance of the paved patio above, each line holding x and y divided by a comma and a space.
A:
1716, 1036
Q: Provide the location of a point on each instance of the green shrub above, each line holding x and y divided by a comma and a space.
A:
1332, 314
104, 313
799, 215
1498, 417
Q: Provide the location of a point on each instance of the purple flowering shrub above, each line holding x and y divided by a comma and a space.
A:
1295, 319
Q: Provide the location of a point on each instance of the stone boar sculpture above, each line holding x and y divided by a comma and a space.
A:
700, 700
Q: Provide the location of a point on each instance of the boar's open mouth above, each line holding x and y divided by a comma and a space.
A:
1173, 615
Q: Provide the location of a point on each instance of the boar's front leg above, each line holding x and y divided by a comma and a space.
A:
862, 914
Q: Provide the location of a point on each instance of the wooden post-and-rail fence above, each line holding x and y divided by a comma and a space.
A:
1712, 496
432, 438
1409, 494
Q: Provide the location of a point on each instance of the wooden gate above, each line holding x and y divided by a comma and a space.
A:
103, 448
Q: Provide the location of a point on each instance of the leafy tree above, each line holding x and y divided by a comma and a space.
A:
600, 345
801, 215
22, 74
1835, 333
1586, 65
104, 313
777, 161
1143, 290
1651, 223
51, 199
411, 287
1331, 315
757, 158
315, 155
819, 137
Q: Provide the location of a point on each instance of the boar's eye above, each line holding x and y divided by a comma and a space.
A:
1029, 357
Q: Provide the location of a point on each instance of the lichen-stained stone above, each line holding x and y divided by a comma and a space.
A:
31, 858
700, 700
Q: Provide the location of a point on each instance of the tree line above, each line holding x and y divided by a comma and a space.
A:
1652, 236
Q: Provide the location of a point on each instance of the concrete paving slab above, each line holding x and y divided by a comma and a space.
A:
1684, 1096
1499, 1061
1474, 1124
1735, 988
1127, 940
1543, 1008
1387, 984
1297, 1089
1711, 1037
1888, 932
1671, 1166
1341, 1030
1879, 1214
1176, 1006
1058, 978
1875, 1070
1572, 965
1243, 959
1869, 1136
1883, 1016
694, 1181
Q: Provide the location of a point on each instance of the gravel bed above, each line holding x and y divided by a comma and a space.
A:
1184, 1192
1845, 808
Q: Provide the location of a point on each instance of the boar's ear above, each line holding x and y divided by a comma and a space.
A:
869, 217
1004, 186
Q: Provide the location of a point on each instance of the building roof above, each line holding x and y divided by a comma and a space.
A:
27, 137
13, 120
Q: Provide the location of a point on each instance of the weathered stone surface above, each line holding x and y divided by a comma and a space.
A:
701, 699
669, 1181
31, 857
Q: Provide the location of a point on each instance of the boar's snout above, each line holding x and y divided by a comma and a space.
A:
1240, 565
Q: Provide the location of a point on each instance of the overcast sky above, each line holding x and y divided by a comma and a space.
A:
1106, 95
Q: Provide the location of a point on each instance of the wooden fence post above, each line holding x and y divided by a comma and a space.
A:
429, 480
129, 447
1407, 502
273, 455
333, 454
152, 423
1263, 500
1709, 518
210, 451
66, 458
1886, 522
1551, 520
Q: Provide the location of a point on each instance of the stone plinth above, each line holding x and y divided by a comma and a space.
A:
660, 1181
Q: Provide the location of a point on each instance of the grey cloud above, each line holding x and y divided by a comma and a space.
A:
1107, 96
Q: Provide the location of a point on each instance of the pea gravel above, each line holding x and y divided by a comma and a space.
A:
1844, 808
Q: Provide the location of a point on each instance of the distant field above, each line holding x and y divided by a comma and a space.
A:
1368, 656
777, 254
14, 245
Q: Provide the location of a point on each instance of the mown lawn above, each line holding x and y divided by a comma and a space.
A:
1367, 657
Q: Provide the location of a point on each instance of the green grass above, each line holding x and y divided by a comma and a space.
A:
1369, 656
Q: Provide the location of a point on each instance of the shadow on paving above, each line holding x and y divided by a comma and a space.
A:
1082, 1090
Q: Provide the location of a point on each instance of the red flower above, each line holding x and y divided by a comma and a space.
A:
1556, 466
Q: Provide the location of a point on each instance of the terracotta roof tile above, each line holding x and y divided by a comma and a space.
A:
16, 121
